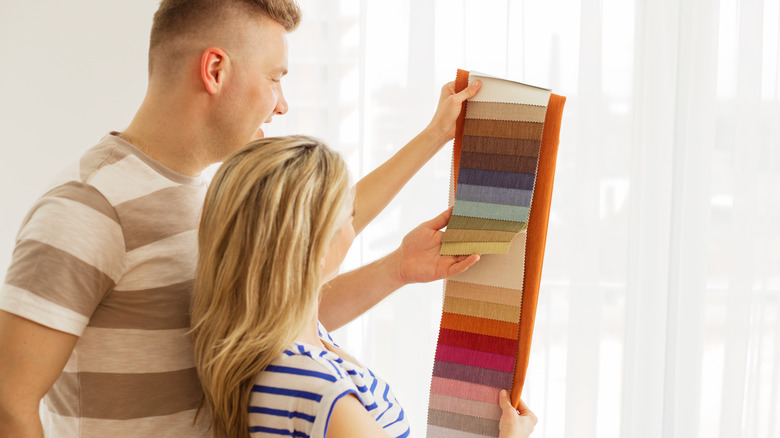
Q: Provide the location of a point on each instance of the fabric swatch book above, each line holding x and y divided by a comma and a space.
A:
504, 156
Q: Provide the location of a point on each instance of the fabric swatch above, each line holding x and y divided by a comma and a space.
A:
482, 359
500, 146
468, 373
499, 270
492, 178
504, 129
480, 326
475, 425
457, 235
465, 390
486, 210
436, 431
473, 223
504, 91
462, 306
489, 294
473, 341
463, 406
494, 195
459, 248
502, 163
505, 111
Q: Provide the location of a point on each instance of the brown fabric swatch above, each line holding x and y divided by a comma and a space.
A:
501, 146
503, 129
457, 235
503, 163
505, 111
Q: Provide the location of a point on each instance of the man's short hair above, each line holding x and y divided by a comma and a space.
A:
177, 18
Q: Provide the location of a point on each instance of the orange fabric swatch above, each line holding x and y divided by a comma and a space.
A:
482, 326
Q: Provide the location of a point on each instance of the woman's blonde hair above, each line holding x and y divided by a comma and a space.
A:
269, 216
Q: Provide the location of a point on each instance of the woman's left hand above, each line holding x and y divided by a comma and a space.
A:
418, 259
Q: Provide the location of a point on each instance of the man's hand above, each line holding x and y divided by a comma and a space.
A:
443, 123
418, 259
514, 423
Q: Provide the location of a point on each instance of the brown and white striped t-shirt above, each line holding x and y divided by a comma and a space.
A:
109, 255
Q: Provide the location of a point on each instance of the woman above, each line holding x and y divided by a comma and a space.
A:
276, 225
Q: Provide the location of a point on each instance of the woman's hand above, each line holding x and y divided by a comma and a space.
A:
442, 125
418, 259
514, 423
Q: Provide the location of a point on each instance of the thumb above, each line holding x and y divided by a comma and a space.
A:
462, 264
503, 401
469, 92
439, 221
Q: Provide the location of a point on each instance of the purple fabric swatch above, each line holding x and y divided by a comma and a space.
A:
494, 195
466, 373
493, 178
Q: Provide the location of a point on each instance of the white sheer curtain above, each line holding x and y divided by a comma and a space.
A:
658, 312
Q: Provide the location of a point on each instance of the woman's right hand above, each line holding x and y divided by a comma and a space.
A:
514, 423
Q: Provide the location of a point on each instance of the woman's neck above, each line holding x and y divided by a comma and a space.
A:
310, 335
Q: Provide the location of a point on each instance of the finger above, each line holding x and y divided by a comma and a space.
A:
439, 221
469, 92
523, 411
447, 90
458, 267
521, 408
503, 401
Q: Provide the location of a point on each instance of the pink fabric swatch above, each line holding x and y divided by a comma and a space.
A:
475, 358
471, 391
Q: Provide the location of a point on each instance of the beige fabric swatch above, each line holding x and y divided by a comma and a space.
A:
490, 294
500, 90
499, 270
505, 111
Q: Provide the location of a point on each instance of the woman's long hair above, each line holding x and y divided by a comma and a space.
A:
269, 216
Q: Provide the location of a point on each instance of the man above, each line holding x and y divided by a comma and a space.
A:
94, 309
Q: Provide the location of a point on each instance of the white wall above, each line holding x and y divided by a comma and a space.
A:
72, 71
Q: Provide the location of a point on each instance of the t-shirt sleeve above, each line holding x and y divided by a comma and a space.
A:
297, 398
69, 254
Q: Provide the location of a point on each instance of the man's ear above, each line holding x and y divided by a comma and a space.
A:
214, 65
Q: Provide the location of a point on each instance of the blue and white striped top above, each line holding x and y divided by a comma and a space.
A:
296, 394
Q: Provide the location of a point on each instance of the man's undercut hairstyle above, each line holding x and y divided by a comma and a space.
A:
180, 18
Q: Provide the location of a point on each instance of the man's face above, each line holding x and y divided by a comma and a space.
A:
256, 89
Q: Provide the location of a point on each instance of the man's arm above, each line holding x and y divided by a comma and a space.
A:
417, 260
378, 188
33, 356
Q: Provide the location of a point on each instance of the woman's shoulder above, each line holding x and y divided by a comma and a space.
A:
296, 392
309, 365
